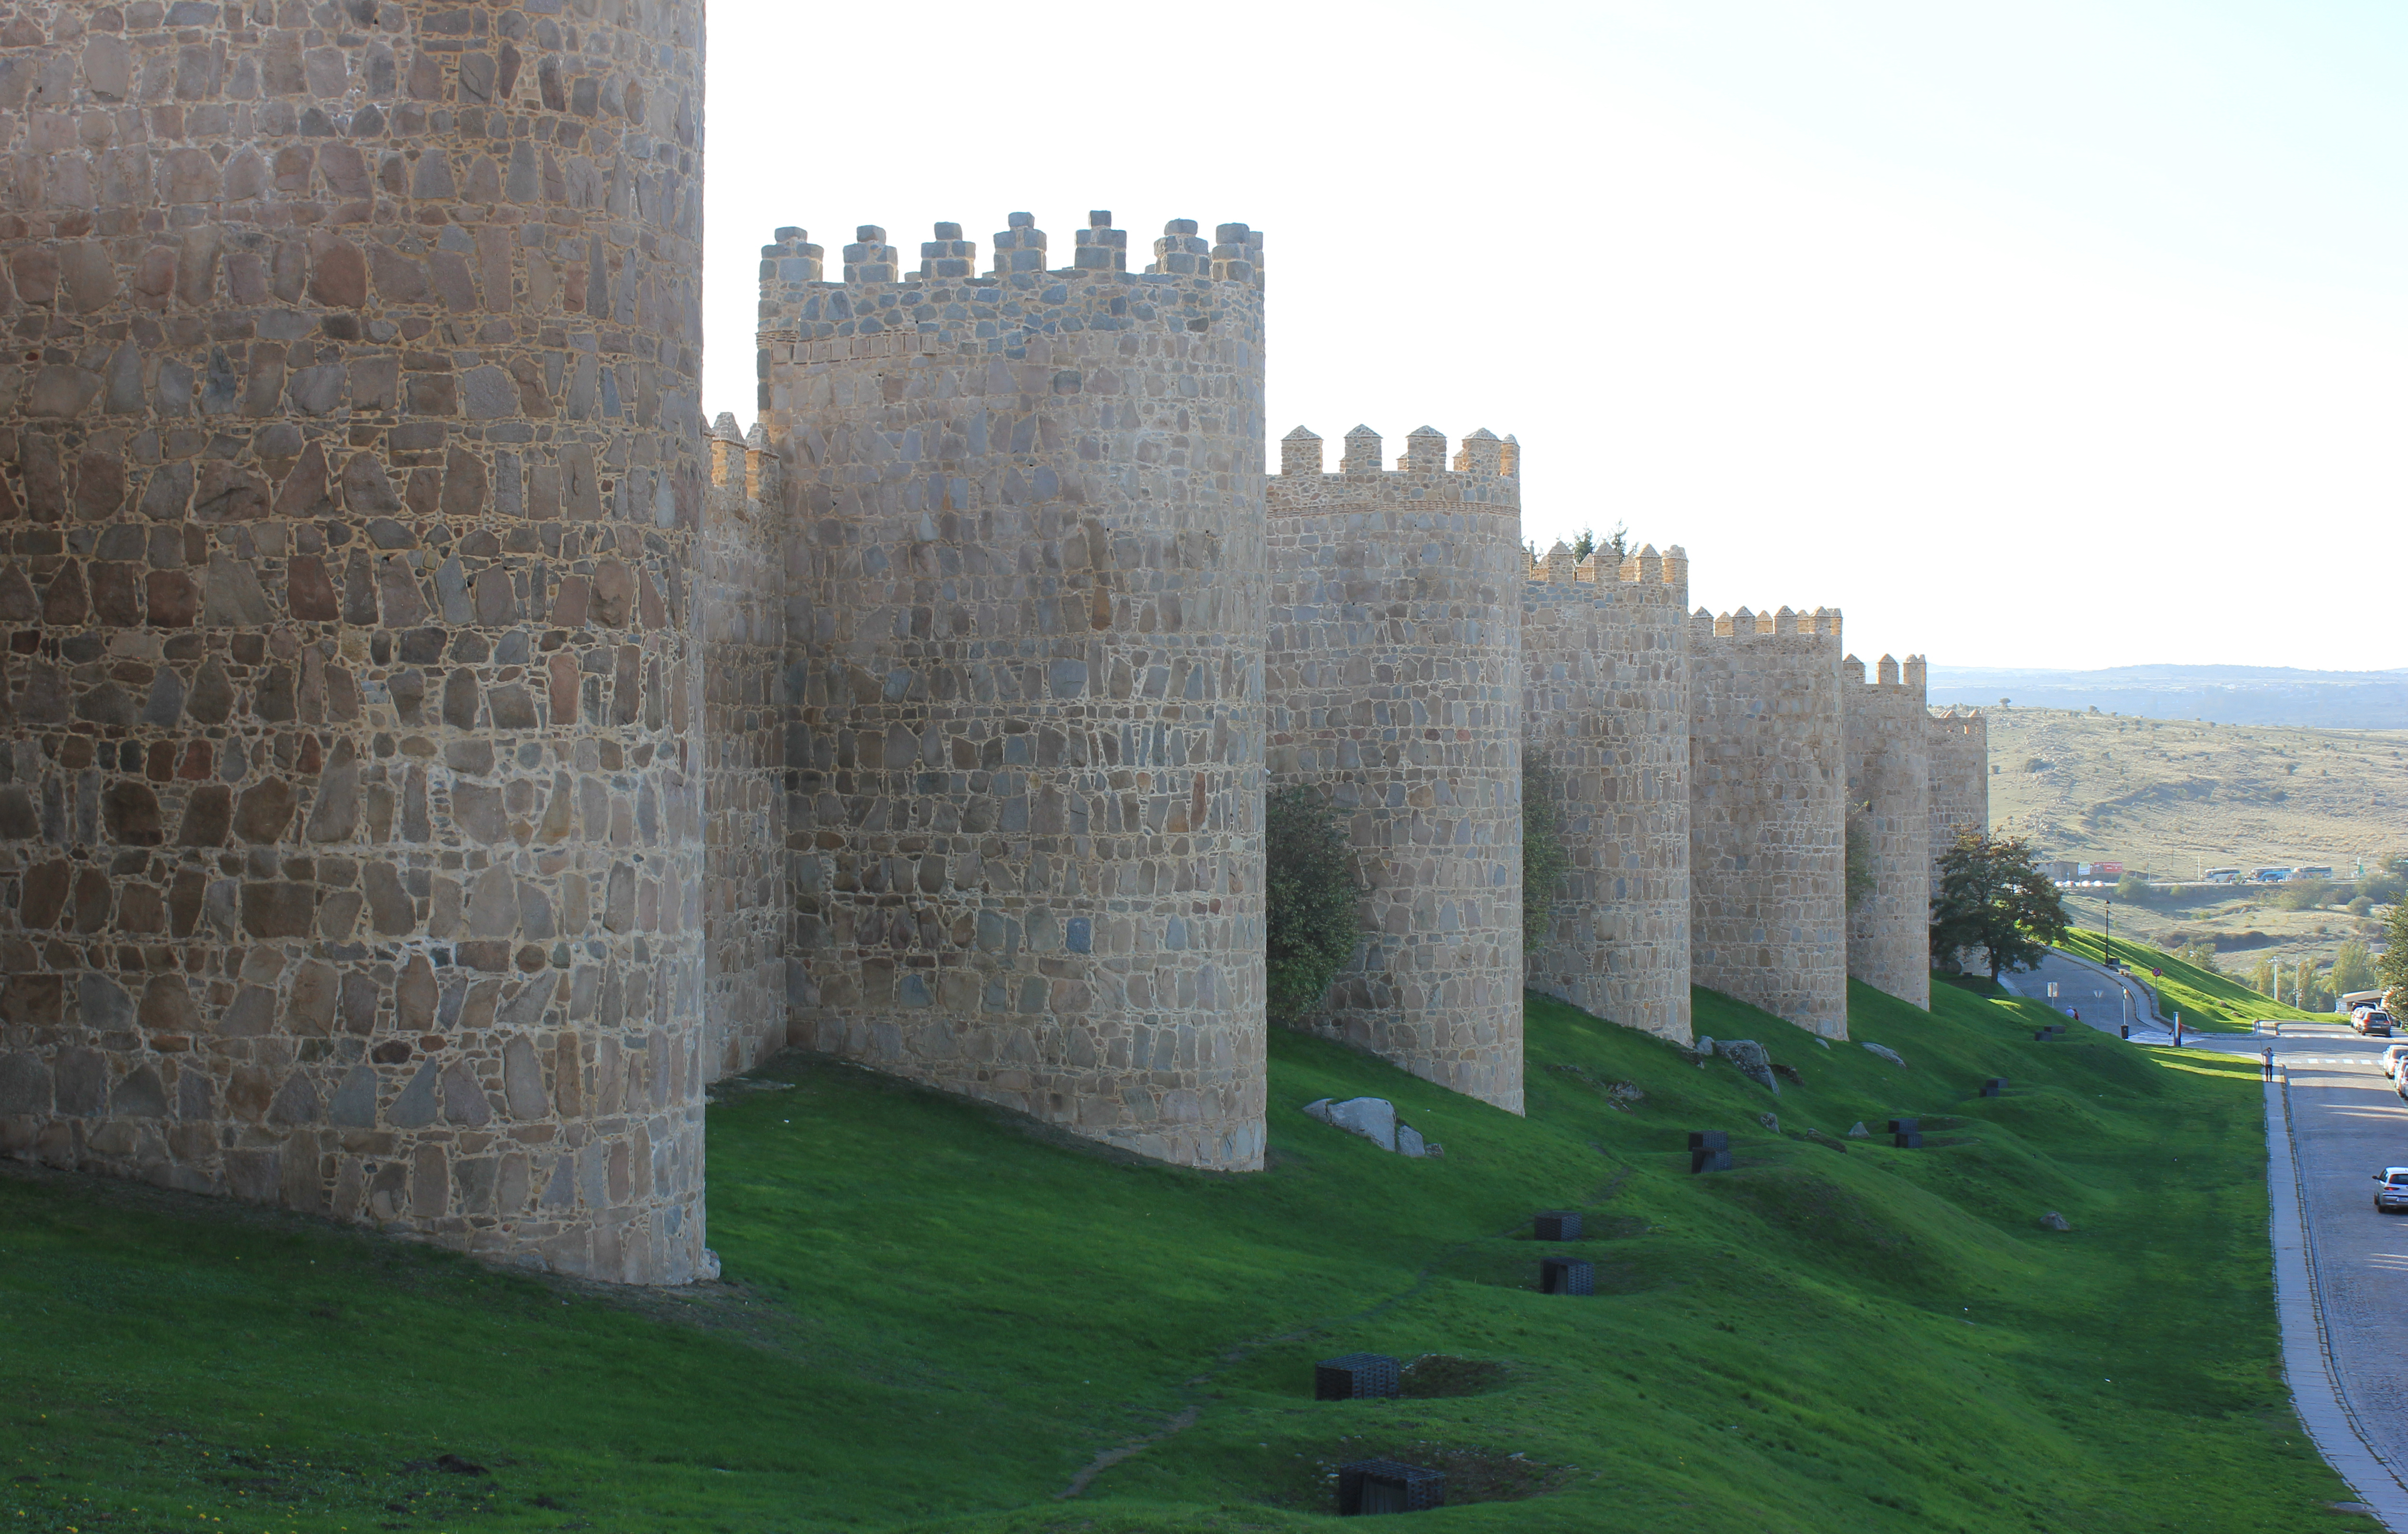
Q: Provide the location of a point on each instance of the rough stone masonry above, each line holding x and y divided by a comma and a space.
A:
432, 753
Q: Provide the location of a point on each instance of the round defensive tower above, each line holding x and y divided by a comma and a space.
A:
1605, 721
1960, 780
1890, 817
1395, 686
350, 466
1768, 814
1025, 623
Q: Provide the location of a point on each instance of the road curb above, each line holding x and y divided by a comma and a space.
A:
2317, 1393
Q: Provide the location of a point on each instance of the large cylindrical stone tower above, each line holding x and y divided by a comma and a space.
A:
1605, 705
1960, 780
1395, 686
1025, 627
1768, 814
1889, 823
349, 473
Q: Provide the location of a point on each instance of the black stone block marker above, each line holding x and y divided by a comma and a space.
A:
1556, 1226
1709, 1150
1355, 1376
1382, 1486
1566, 1276
1995, 1087
1906, 1133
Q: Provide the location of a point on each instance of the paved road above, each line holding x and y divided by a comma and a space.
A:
2103, 1003
2347, 1123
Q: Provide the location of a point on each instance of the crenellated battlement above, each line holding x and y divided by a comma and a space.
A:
744, 472
1082, 323
1969, 724
1646, 576
792, 268
1908, 678
1785, 623
1486, 471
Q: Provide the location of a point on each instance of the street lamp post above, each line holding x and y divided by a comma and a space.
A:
2110, 940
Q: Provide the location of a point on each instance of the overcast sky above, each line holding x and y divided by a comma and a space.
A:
2052, 334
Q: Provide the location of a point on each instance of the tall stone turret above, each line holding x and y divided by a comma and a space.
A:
1889, 821
1960, 780
739, 593
1768, 813
1025, 635
1605, 714
1395, 686
350, 469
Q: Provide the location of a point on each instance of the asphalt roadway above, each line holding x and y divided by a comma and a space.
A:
2347, 1124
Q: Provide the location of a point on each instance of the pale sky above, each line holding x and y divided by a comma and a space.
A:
2054, 335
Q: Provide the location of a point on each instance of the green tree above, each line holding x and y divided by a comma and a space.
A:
2132, 888
2392, 963
1860, 859
1993, 897
2353, 969
2261, 979
1614, 546
2308, 991
1544, 862
1312, 903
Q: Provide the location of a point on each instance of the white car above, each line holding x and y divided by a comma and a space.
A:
2393, 1194
2392, 1056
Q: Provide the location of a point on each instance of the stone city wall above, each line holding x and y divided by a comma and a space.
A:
1960, 780
1394, 685
1605, 713
1768, 800
1889, 810
1025, 628
739, 590
349, 463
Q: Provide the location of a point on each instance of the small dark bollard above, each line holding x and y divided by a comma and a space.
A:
2127, 1030
1906, 1133
1356, 1376
1709, 1150
1566, 1276
2044, 1035
1563, 1225
1382, 1486
1995, 1087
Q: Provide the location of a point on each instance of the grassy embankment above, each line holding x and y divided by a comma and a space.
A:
938, 1316
2207, 1001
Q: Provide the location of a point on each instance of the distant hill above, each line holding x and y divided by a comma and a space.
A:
2172, 798
2268, 695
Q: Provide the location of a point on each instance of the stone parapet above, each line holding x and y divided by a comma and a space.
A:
1394, 685
1768, 802
1606, 713
350, 464
1889, 816
1023, 637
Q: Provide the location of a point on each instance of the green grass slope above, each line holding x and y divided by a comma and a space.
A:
2206, 999
939, 1317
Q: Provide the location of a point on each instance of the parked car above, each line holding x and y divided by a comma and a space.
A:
2372, 1022
2392, 1056
2393, 1192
